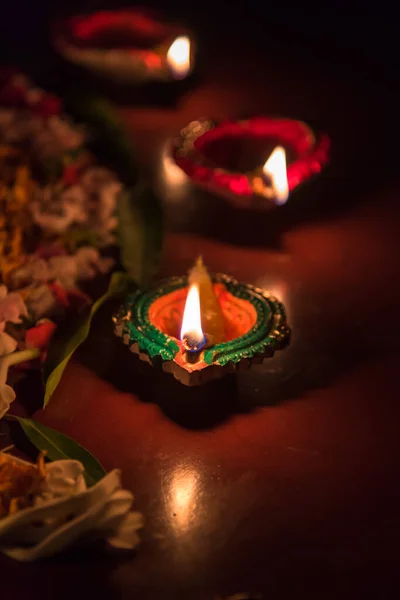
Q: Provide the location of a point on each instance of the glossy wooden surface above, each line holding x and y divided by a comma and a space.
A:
285, 481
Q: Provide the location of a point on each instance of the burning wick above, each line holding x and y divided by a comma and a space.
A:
192, 335
192, 347
178, 57
275, 174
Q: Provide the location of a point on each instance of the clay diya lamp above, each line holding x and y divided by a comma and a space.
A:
129, 52
200, 328
255, 163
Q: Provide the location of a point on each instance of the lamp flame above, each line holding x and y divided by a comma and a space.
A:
275, 169
191, 331
178, 57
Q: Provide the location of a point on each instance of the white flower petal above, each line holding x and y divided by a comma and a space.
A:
34, 271
125, 536
95, 178
12, 306
50, 222
70, 515
64, 478
7, 344
89, 263
7, 395
41, 302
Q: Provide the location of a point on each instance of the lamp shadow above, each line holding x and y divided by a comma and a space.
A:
165, 95
281, 379
310, 362
330, 195
62, 573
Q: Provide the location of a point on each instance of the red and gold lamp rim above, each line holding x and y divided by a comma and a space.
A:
190, 150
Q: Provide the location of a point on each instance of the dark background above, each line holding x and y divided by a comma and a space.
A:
299, 500
365, 30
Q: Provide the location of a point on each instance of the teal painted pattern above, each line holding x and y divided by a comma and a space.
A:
133, 316
269, 333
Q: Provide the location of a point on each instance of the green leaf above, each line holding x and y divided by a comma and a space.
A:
58, 357
139, 209
140, 229
75, 238
107, 134
60, 447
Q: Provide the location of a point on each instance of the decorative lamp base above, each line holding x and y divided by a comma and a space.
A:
255, 327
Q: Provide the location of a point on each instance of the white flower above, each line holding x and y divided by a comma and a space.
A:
12, 306
49, 137
7, 343
64, 270
74, 202
95, 178
108, 196
55, 209
35, 274
67, 135
83, 265
7, 395
65, 513
52, 222
89, 263
90, 203
103, 188
67, 270
18, 126
42, 302
34, 270
63, 478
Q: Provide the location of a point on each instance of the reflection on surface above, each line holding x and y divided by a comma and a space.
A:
173, 179
182, 498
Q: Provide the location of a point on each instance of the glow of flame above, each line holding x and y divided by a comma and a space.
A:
172, 174
191, 322
182, 498
275, 169
178, 57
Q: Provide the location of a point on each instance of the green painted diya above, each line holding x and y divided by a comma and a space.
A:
149, 322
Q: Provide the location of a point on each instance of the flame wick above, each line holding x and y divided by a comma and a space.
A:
192, 335
191, 342
275, 170
178, 57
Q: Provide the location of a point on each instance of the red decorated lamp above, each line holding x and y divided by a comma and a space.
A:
256, 163
126, 46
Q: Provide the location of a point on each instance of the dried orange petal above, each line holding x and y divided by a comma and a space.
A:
19, 482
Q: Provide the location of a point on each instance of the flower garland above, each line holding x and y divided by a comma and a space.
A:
57, 216
57, 213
